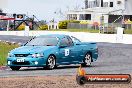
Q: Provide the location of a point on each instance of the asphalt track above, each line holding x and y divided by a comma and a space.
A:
113, 58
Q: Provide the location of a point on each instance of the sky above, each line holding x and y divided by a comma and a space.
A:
42, 9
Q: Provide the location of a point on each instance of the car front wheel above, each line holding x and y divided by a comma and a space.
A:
87, 60
51, 62
15, 68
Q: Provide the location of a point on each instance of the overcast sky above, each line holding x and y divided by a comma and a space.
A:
43, 9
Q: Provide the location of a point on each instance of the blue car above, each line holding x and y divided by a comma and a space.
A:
50, 51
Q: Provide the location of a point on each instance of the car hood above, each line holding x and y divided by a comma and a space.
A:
31, 49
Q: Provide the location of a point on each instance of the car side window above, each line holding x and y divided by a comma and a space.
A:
64, 42
70, 41
75, 39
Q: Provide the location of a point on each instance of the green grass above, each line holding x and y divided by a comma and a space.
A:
128, 31
77, 30
4, 50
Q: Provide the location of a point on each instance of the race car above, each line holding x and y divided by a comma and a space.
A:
50, 51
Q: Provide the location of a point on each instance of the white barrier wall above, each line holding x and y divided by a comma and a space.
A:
86, 37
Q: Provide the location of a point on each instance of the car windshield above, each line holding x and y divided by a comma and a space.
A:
43, 41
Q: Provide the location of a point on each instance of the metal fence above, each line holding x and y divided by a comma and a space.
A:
80, 26
90, 26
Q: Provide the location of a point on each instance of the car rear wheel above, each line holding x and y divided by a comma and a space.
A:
51, 62
15, 68
87, 60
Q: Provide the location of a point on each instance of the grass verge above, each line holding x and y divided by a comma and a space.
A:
4, 50
128, 31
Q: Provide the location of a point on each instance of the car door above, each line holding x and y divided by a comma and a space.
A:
78, 49
73, 51
66, 53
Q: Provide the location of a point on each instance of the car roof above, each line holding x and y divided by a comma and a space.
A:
54, 35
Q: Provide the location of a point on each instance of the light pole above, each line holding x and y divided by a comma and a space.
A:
101, 23
8, 23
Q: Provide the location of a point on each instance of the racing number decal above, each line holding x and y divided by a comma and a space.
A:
67, 52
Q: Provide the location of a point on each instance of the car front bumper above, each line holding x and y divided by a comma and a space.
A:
28, 62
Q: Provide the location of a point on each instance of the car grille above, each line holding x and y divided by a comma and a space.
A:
21, 55
21, 63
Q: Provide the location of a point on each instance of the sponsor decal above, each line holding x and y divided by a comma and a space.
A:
83, 78
67, 52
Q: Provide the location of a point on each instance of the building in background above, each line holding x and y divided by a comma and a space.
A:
53, 25
108, 11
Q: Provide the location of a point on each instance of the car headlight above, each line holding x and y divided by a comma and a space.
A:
10, 55
37, 55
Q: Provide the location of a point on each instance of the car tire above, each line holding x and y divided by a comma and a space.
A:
51, 62
15, 68
87, 60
